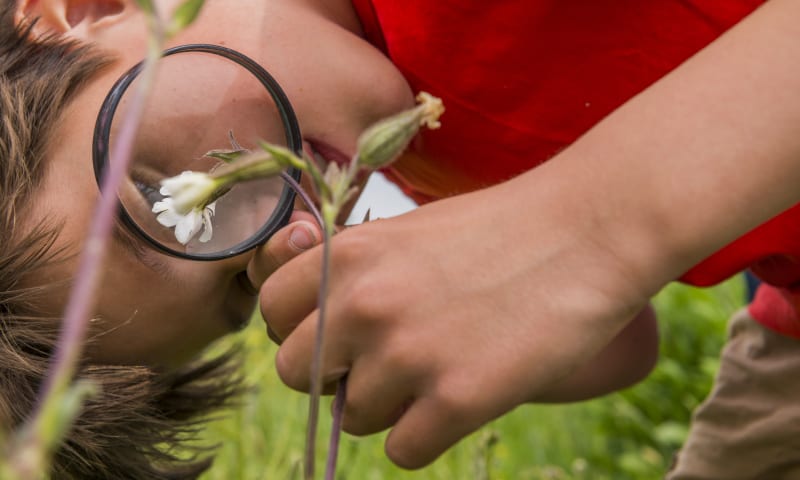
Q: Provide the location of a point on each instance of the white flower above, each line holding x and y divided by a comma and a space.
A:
186, 225
189, 190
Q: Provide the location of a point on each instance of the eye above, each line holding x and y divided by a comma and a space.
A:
149, 192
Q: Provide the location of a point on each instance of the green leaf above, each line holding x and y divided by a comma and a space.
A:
147, 6
184, 15
226, 156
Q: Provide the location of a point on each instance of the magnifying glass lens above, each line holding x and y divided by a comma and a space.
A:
200, 103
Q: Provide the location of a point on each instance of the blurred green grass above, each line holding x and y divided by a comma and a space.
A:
630, 435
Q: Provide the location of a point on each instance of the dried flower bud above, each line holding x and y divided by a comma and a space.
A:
382, 143
432, 108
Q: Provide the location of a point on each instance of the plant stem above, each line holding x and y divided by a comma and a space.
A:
331, 207
304, 196
82, 295
336, 429
329, 214
328, 225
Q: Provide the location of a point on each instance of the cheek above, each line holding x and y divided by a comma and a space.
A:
160, 285
147, 319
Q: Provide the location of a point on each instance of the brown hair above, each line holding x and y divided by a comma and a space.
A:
142, 423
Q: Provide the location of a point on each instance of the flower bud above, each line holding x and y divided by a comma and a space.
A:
382, 143
250, 166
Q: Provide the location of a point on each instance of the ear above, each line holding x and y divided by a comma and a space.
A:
63, 16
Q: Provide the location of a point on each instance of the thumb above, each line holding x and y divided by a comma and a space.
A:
288, 242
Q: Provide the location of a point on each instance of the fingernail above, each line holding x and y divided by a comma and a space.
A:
302, 238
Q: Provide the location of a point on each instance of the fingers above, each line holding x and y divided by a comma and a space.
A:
300, 235
385, 390
428, 428
379, 386
376, 399
289, 296
296, 354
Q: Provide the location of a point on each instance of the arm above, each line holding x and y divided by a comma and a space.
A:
701, 157
448, 340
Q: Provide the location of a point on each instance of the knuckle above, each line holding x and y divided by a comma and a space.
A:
289, 374
359, 416
368, 301
401, 356
367, 418
456, 405
354, 424
363, 305
349, 247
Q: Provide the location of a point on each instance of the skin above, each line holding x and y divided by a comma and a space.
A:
438, 346
159, 310
475, 342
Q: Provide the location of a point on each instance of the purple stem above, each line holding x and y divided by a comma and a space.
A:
316, 361
328, 228
316, 381
307, 200
336, 429
82, 295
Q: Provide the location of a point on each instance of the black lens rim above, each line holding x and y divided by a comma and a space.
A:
283, 211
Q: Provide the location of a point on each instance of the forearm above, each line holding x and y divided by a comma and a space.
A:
698, 159
628, 359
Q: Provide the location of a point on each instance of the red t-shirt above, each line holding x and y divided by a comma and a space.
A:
522, 79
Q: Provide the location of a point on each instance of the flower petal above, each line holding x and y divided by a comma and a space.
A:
207, 233
169, 218
167, 215
162, 205
188, 226
208, 215
188, 190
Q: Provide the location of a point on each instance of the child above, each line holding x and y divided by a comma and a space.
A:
517, 319
515, 288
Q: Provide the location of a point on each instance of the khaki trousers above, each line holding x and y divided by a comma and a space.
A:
749, 426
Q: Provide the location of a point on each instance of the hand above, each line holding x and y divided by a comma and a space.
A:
301, 234
449, 316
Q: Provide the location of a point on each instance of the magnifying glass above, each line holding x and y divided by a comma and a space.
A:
204, 98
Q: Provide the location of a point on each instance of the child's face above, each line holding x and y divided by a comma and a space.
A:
158, 309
